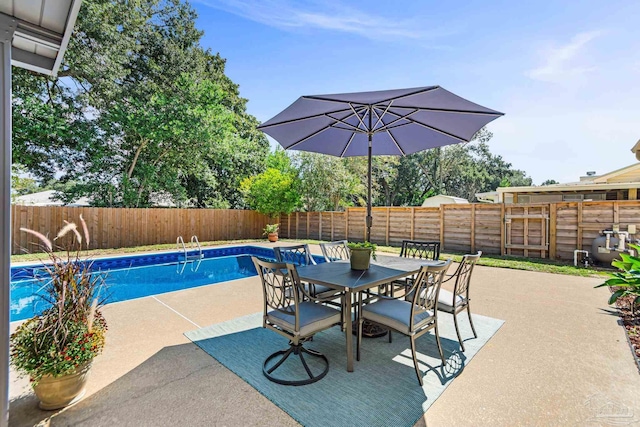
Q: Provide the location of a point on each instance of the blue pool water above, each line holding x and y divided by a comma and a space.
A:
143, 275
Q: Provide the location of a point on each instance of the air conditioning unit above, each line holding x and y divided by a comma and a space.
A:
573, 197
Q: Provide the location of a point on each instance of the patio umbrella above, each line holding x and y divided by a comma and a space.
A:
388, 122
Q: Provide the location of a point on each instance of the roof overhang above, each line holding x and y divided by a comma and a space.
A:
546, 189
41, 31
607, 176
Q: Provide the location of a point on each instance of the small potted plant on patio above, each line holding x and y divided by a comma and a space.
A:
271, 231
56, 347
361, 254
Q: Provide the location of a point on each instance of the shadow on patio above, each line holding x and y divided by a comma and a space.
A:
179, 385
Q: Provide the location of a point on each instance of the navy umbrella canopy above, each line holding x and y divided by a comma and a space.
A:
389, 122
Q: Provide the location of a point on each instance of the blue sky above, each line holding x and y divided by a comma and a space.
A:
565, 73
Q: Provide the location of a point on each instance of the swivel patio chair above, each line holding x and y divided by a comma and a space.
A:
458, 300
335, 251
412, 318
287, 314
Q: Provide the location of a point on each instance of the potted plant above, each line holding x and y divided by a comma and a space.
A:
56, 348
361, 254
271, 231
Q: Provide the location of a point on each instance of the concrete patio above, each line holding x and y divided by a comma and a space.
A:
559, 359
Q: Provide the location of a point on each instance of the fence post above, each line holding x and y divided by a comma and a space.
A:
553, 218
579, 234
442, 226
473, 228
413, 214
387, 230
526, 230
502, 233
297, 223
332, 239
364, 231
346, 224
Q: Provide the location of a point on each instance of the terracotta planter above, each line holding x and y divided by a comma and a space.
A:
273, 237
58, 392
360, 258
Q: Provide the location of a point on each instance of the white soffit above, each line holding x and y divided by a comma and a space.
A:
42, 31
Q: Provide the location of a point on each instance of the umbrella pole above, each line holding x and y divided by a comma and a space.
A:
369, 217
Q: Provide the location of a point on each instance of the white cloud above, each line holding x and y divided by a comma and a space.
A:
565, 63
332, 16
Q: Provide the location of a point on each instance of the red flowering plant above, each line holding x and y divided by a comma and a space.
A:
70, 332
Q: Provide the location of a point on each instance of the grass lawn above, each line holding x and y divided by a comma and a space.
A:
517, 263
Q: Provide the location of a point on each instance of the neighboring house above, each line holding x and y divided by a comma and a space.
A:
441, 199
488, 197
621, 184
45, 198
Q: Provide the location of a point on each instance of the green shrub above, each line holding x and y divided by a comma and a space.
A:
627, 280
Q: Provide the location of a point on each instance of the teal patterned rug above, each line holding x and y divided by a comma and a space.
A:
382, 391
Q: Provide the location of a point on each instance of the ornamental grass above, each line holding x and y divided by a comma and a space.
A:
71, 330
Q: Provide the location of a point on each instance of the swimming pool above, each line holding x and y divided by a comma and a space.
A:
143, 275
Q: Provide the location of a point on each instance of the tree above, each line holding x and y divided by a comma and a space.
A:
550, 182
21, 182
272, 192
458, 170
141, 111
325, 182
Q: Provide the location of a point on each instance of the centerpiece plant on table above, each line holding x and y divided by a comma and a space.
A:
56, 347
361, 254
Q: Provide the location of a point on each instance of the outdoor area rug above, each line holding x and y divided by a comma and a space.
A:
383, 389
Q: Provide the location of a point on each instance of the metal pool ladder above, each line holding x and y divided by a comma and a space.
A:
194, 245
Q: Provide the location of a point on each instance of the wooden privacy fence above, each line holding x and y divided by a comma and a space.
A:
537, 230
124, 227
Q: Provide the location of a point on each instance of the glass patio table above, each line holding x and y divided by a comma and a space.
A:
339, 275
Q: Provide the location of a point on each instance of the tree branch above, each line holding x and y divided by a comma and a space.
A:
135, 158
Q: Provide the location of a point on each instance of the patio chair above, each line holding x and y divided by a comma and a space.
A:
458, 300
412, 318
300, 255
297, 254
416, 249
287, 314
419, 249
335, 251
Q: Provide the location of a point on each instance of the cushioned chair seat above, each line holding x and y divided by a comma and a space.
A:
321, 289
313, 317
445, 299
395, 314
